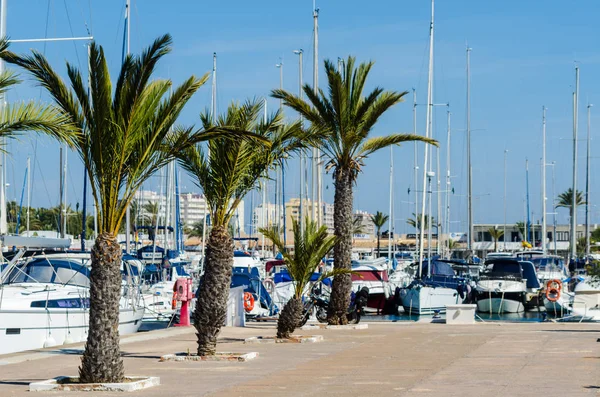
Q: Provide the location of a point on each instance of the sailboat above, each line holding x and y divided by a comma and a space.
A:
437, 285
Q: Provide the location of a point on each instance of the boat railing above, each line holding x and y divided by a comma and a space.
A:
501, 275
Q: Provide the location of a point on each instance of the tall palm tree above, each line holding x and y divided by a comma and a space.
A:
565, 200
379, 219
122, 135
310, 247
226, 173
343, 119
496, 234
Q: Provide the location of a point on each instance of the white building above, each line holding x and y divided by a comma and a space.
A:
191, 206
368, 227
266, 216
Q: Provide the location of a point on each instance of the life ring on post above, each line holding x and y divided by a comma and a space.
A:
248, 301
553, 289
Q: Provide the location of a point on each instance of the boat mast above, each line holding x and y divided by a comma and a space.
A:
61, 188
587, 186
126, 52
390, 218
316, 152
427, 135
448, 183
300, 52
504, 233
3, 228
280, 66
528, 224
574, 188
469, 169
544, 233
213, 109
416, 169
264, 190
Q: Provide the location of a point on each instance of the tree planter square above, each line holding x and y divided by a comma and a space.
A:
71, 383
241, 357
292, 339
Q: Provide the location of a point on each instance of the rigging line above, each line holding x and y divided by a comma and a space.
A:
46, 187
72, 34
87, 28
91, 22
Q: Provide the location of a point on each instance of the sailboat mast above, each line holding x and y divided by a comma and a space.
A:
29, 194
264, 190
544, 233
300, 52
280, 66
448, 184
127, 49
3, 226
213, 109
427, 134
574, 188
317, 152
587, 185
528, 224
469, 168
390, 218
416, 169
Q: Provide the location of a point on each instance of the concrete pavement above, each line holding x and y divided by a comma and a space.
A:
395, 359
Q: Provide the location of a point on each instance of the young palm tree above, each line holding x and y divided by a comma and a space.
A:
379, 219
415, 222
310, 247
226, 173
565, 200
122, 135
343, 119
496, 234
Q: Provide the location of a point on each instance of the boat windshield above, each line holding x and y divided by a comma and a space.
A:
548, 263
49, 271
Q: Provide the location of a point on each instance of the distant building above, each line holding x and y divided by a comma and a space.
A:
367, 225
192, 208
266, 216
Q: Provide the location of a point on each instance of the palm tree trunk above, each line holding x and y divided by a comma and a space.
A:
289, 318
378, 244
211, 308
101, 361
342, 251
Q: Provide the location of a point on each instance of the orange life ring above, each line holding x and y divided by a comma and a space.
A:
248, 301
552, 294
174, 301
554, 284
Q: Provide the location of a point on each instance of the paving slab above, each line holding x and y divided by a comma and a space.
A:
415, 359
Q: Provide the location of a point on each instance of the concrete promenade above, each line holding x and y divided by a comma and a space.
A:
388, 359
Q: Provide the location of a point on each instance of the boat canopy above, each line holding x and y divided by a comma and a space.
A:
46, 271
438, 268
530, 274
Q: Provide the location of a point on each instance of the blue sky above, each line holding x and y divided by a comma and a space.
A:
523, 58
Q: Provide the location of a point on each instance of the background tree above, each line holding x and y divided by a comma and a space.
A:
379, 219
310, 247
197, 229
122, 135
496, 234
565, 200
343, 119
415, 222
226, 173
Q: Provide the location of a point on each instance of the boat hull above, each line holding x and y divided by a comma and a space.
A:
499, 304
428, 300
22, 330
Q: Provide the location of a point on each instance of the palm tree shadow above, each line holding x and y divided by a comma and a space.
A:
591, 387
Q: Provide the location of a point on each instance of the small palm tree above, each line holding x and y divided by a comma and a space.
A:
379, 219
226, 173
197, 229
415, 222
122, 135
310, 247
496, 234
565, 200
452, 244
343, 119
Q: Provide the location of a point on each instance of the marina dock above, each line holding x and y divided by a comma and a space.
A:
392, 359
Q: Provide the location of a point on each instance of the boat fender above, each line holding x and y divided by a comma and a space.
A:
174, 301
248, 301
68, 340
50, 342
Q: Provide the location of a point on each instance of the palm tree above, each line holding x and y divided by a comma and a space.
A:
226, 173
522, 228
310, 247
343, 119
122, 135
379, 219
565, 200
415, 222
496, 234
197, 229
150, 210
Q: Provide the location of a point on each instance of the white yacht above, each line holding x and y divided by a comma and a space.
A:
44, 302
501, 287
